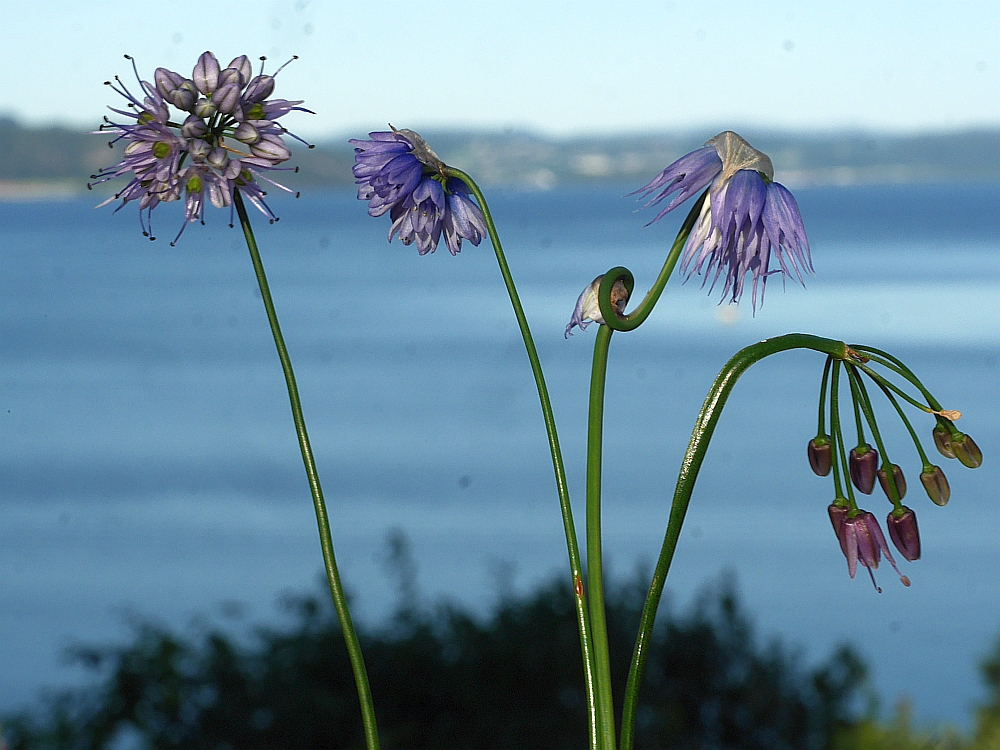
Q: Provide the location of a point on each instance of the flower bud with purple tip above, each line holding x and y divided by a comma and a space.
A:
820, 453
966, 451
862, 465
936, 484
898, 479
904, 533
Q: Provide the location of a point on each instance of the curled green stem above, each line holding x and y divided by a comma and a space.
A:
322, 518
704, 427
562, 487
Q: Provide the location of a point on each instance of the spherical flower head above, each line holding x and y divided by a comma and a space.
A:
588, 309
746, 222
225, 142
865, 543
399, 174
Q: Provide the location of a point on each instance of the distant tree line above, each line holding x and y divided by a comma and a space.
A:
59, 153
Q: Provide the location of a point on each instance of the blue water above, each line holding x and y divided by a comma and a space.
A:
150, 465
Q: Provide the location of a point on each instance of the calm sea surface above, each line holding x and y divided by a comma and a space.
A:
149, 464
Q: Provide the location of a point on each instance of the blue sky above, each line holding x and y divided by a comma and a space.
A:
558, 68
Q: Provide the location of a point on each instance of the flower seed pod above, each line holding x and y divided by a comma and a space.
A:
862, 464
820, 454
936, 484
942, 440
966, 451
898, 478
904, 533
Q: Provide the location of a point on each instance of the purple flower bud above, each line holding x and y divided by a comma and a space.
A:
898, 478
820, 453
199, 149
936, 484
246, 133
259, 89
217, 158
271, 147
167, 81
206, 73
904, 533
838, 515
226, 98
228, 76
205, 108
241, 64
942, 440
862, 464
184, 96
966, 451
194, 127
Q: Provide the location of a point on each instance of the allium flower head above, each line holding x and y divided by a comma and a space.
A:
400, 174
224, 138
746, 220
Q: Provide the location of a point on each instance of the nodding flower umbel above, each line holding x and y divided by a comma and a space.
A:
746, 222
225, 138
398, 172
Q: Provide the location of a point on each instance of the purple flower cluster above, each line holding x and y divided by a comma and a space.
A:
225, 138
398, 173
746, 219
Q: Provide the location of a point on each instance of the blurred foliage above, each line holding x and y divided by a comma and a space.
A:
443, 678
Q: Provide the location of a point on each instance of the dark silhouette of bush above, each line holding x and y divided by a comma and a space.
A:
444, 678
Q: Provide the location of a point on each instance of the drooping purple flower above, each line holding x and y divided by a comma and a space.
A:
746, 219
399, 174
188, 157
864, 542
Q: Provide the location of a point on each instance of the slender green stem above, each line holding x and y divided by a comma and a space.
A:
887, 360
838, 436
638, 316
927, 465
322, 519
704, 427
572, 546
821, 429
595, 569
839, 458
857, 417
861, 394
888, 384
